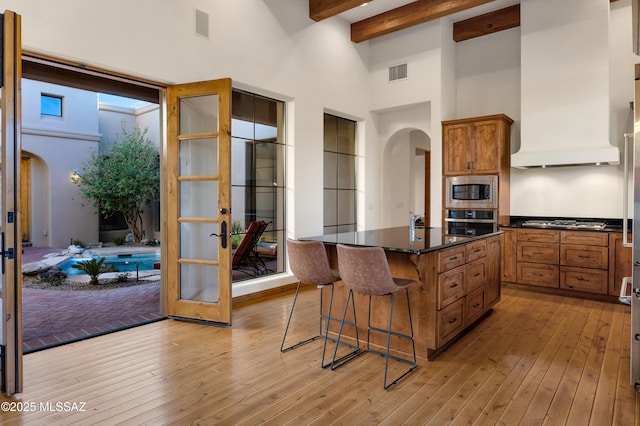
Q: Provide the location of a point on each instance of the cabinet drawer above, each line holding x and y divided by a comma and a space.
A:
538, 274
451, 258
450, 321
475, 274
584, 238
450, 286
538, 253
584, 256
539, 235
591, 280
474, 305
476, 250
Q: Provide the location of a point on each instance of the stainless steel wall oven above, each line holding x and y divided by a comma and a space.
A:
469, 223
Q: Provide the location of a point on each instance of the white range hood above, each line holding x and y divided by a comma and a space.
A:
566, 157
564, 84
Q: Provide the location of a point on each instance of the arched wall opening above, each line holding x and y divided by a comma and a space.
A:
406, 166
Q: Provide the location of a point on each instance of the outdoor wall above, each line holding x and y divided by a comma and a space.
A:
59, 145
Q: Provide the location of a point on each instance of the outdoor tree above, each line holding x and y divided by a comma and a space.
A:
124, 179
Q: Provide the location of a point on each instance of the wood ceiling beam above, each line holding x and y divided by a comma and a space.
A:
489, 23
323, 9
408, 15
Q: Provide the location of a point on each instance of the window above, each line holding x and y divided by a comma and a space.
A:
339, 175
257, 175
51, 105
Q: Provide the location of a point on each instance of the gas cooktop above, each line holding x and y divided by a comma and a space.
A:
564, 223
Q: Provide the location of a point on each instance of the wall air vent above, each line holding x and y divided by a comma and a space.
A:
201, 23
398, 72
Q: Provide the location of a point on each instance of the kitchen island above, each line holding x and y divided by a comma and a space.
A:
458, 282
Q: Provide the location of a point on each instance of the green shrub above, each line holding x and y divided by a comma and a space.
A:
94, 268
119, 241
54, 280
237, 234
77, 243
122, 278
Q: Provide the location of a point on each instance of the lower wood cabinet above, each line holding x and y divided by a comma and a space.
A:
538, 274
474, 306
587, 262
451, 320
466, 290
584, 279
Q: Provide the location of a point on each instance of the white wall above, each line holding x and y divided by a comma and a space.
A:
488, 81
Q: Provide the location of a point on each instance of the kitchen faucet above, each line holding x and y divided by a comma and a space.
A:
413, 218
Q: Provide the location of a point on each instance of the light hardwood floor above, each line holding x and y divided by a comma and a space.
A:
537, 359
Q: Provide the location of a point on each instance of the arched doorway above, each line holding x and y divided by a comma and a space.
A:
406, 176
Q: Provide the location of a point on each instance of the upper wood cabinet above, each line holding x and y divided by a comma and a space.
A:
477, 145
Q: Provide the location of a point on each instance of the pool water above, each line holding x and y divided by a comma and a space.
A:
123, 262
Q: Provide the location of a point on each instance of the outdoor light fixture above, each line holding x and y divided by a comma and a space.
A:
75, 176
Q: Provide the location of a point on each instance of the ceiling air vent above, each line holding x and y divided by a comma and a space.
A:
398, 72
201, 23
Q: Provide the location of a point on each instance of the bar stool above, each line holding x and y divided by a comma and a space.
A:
309, 263
365, 270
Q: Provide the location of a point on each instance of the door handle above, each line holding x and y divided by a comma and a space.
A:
222, 235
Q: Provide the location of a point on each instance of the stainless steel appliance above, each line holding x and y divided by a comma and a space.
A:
632, 155
469, 223
564, 224
471, 192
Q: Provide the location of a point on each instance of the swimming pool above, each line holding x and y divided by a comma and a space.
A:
123, 262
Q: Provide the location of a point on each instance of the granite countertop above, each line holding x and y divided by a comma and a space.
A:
397, 239
612, 225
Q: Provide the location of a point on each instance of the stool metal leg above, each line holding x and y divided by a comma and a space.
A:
302, 342
339, 362
412, 364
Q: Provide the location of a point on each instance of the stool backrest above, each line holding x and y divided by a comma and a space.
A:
309, 263
365, 270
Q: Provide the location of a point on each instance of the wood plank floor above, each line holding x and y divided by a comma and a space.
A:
537, 359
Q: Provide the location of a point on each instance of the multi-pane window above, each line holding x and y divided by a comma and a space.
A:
257, 175
51, 105
339, 175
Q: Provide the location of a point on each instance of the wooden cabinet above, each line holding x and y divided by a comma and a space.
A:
537, 256
477, 145
468, 284
492, 284
509, 249
587, 262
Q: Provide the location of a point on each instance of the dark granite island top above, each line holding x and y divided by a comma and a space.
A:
397, 239
459, 282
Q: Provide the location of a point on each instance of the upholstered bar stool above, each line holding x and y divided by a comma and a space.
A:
310, 265
365, 270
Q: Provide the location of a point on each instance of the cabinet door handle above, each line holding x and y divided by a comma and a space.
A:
454, 285
452, 320
537, 275
477, 274
476, 305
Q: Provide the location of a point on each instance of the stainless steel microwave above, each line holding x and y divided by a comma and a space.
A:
472, 192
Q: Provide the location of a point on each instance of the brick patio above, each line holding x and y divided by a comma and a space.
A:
54, 317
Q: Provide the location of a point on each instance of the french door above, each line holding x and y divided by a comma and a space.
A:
198, 201
11, 253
